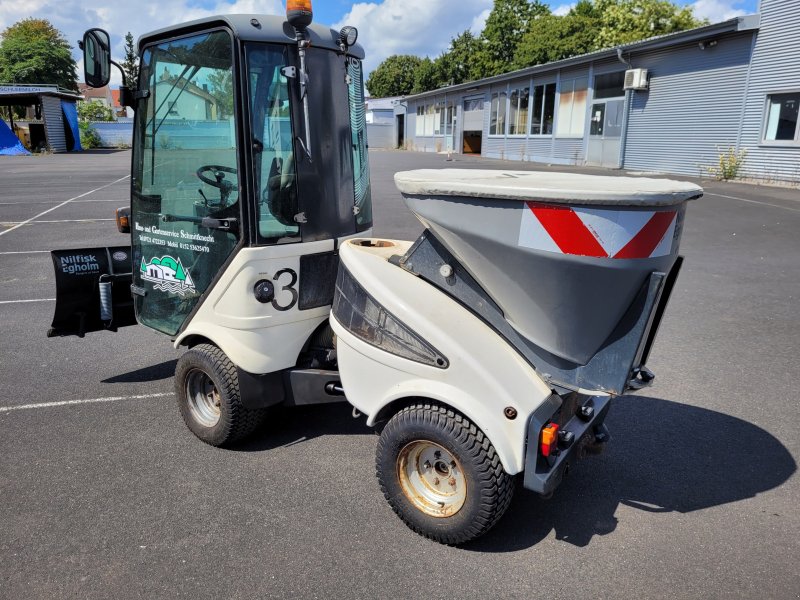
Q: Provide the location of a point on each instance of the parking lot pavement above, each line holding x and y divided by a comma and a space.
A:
104, 492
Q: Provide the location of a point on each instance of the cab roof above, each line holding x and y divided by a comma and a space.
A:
253, 28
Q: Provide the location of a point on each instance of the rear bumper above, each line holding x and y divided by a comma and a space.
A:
543, 474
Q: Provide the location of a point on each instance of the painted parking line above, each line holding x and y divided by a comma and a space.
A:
4, 409
41, 214
18, 223
27, 301
25, 252
752, 201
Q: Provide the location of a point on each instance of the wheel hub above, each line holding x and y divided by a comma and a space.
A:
431, 478
204, 398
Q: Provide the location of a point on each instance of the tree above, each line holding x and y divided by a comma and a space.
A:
221, 89
33, 51
427, 76
457, 64
551, 38
94, 111
395, 76
130, 65
505, 26
625, 21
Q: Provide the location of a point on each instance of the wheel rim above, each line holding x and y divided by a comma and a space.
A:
204, 398
431, 478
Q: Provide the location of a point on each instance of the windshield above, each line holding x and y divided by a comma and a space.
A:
184, 170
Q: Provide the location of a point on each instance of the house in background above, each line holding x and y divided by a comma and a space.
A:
671, 104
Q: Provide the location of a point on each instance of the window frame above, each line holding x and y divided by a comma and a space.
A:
521, 92
794, 142
544, 86
493, 115
558, 120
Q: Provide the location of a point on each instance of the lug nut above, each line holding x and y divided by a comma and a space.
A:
437, 454
453, 464
427, 464
452, 481
435, 481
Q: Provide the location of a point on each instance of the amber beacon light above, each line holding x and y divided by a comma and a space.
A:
299, 13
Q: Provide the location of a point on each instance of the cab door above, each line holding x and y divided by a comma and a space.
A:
186, 178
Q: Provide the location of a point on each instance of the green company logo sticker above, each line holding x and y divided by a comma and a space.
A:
167, 274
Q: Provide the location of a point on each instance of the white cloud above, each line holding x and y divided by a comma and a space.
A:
479, 22
717, 10
420, 27
73, 17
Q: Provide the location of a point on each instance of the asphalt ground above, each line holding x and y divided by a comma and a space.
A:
696, 495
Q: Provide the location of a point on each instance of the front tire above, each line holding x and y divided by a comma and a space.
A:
207, 389
441, 475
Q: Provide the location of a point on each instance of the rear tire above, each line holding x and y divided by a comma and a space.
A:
441, 475
207, 389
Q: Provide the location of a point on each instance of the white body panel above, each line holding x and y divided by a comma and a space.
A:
258, 338
485, 374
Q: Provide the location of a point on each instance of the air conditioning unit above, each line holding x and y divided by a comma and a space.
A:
636, 79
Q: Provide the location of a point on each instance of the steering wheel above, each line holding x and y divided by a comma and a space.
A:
219, 180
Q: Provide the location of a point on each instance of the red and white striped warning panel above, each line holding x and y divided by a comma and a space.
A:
597, 232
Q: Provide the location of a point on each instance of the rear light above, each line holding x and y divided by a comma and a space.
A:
549, 439
365, 318
124, 219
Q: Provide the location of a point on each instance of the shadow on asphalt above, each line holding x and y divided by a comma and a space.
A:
663, 457
164, 370
286, 426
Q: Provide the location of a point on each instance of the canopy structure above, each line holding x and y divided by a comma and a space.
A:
59, 126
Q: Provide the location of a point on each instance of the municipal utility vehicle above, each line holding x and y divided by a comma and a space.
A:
487, 350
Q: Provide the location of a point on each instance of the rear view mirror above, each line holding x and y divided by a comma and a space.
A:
96, 58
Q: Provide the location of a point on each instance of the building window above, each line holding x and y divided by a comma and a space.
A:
609, 85
450, 119
497, 123
782, 119
518, 112
429, 117
544, 103
438, 121
572, 107
419, 128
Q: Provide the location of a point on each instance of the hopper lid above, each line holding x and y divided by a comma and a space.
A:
567, 188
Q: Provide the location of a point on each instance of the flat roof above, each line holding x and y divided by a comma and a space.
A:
745, 23
23, 94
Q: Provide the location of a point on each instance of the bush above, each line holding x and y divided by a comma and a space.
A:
89, 136
729, 163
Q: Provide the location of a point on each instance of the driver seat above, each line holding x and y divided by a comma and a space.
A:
280, 195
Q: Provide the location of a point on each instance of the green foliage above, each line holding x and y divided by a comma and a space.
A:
625, 21
456, 65
89, 136
729, 163
94, 111
504, 29
130, 64
522, 33
395, 76
551, 38
33, 51
221, 88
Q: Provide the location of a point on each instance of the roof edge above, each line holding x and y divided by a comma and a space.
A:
736, 24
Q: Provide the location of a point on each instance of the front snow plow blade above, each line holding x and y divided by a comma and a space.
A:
93, 291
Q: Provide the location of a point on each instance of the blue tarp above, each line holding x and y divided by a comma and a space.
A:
71, 121
9, 143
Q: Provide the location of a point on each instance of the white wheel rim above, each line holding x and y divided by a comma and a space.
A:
203, 397
431, 478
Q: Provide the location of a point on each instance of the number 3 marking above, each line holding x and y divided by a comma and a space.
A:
288, 288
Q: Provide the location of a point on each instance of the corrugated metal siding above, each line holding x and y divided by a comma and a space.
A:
568, 150
54, 123
381, 135
694, 106
775, 68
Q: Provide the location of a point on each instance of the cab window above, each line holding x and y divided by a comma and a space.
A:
274, 160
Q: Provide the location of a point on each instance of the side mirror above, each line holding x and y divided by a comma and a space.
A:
96, 58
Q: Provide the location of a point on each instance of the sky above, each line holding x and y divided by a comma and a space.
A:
387, 27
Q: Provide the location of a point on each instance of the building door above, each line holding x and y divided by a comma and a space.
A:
472, 125
605, 133
401, 131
